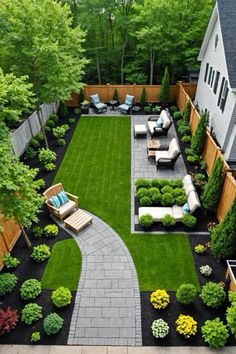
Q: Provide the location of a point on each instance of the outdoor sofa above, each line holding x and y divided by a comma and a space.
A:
176, 211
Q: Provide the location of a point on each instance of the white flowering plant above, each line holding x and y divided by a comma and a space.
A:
160, 328
206, 270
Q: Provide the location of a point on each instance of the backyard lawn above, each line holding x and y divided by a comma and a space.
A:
96, 167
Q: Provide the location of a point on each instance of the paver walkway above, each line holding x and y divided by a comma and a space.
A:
107, 306
141, 166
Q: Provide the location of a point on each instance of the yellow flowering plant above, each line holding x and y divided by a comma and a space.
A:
186, 325
160, 299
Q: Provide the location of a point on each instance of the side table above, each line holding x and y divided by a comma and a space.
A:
113, 103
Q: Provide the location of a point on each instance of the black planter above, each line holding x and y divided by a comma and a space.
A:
84, 109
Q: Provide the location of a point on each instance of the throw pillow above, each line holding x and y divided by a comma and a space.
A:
186, 208
54, 201
62, 197
159, 123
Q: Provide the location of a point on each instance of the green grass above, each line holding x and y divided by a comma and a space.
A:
64, 266
96, 167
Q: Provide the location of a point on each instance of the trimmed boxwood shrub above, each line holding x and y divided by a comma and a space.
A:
153, 190
156, 197
145, 201
50, 123
168, 220
177, 115
146, 220
30, 289
142, 183
31, 313
9, 261
54, 117
181, 200
40, 253
61, 297
167, 199
142, 192
163, 182
155, 183
167, 189
231, 313
61, 142
52, 323
186, 293
51, 230
176, 183
7, 283
215, 333
186, 139
213, 294
189, 220
177, 192
184, 129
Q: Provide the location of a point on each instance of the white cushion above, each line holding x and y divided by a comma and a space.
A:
188, 184
151, 125
166, 122
124, 107
177, 212
100, 105
140, 129
157, 212
67, 206
162, 154
193, 201
173, 148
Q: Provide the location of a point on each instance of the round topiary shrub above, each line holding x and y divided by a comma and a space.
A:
167, 189
168, 220
146, 220
142, 183
163, 182
177, 192
54, 117
145, 201
160, 328
30, 289
215, 333
213, 294
176, 183
189, 220
61, 297
142, 192
61, 142
167, 199
159, 299
152, 191
155, 183
40, 253
186, 325
177, 115
51, 230
7, 283
186, 293
50, 123
31, 313
181, 200
156, 198
52, 323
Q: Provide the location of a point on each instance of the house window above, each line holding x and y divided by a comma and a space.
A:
206, 72
216, 82
224, 96
212, 77
221, 89
216, 41
209, 78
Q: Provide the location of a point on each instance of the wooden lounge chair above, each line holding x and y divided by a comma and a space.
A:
64, 209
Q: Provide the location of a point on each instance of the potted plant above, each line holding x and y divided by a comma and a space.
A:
85, 107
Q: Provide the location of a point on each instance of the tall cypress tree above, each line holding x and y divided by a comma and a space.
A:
143, 97
165, 87
212, 189
187, 111
199, 137
223, 237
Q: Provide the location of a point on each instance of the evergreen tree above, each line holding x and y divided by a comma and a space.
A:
115, 96
199, 137
187, 111
143, 97
212, 189
223, 236
81, 96
165, 87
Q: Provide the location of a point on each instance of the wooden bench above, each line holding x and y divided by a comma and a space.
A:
78, 220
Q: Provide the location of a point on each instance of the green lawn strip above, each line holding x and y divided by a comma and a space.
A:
96, 167
64, 266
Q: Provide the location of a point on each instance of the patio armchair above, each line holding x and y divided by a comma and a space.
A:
69, 203
127, 105
97, 104
159, 125
167, 158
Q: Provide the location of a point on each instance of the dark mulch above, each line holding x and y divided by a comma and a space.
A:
29, 269
198, 310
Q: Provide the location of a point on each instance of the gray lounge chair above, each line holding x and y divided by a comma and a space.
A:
97, 104
127, 105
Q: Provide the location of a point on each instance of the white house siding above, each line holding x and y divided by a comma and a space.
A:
222, 123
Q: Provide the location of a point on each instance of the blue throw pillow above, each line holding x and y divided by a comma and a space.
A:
159, 123
62, 197
55, 202
186, 208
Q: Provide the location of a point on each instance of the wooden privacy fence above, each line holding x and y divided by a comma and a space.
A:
105, 92
210, 154
9, 233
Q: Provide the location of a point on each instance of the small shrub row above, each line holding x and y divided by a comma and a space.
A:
168, 220
50, 230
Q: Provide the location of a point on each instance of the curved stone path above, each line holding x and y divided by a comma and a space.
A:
107, 308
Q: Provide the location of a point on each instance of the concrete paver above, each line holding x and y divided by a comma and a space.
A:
93, 350
60, 349
107, 307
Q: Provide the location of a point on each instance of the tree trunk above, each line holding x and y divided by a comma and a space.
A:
42, 127
27, 241
152, 60
122, 65
98, 70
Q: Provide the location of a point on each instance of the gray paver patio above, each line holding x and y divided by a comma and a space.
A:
107, 305
141, 166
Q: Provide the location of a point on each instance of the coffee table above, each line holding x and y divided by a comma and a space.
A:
152, 146
78, 220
